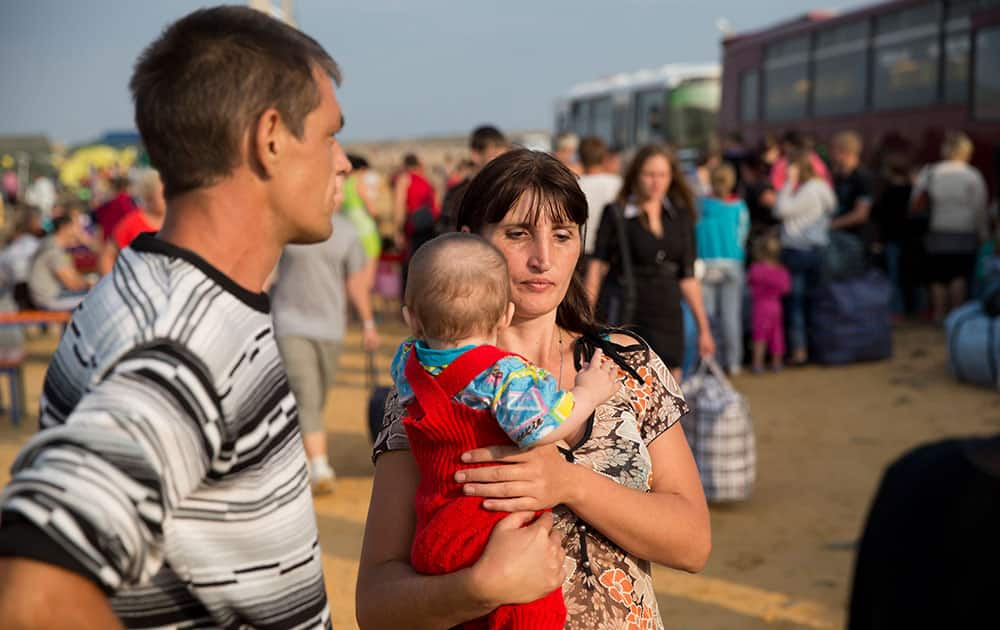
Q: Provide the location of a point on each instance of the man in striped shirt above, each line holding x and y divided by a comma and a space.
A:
168, 485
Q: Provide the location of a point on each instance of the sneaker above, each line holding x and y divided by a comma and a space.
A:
322, 484
321, 478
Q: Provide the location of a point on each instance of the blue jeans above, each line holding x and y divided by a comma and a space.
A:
722, 290
806, 268
893, 254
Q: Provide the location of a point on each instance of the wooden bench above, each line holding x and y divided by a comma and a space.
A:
12, 361
12, 366
21, 318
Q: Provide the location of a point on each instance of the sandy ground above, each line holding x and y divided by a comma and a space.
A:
781, 560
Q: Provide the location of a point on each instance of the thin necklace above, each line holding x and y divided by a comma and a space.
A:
559, 333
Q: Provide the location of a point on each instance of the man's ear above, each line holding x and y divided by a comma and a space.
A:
267, 142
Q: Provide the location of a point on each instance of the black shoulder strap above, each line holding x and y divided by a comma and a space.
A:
590, 341
629, 291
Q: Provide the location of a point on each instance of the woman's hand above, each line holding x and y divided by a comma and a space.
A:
706, 344
535, 479
523, 561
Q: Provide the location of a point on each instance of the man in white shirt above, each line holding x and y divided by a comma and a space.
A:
599, 186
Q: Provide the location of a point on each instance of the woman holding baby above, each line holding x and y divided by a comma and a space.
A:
625, 494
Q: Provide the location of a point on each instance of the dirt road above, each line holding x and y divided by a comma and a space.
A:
781, 560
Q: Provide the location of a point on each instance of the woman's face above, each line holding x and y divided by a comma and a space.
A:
541, 257
654, 178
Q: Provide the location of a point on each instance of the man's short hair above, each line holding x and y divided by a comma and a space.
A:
61, 221
457, 287
201, 87
567, 141
849, 141
593, 152
410, 160
485, 137
358, 162
794, 139
120, 183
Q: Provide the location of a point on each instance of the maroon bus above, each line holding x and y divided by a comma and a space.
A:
900, 73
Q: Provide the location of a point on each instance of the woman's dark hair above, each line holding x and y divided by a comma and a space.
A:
555, 193
679, 193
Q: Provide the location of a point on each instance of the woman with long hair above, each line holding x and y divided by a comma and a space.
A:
805, 205
646, 243
611, 492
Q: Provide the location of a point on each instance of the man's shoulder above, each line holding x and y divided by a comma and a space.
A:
343, 228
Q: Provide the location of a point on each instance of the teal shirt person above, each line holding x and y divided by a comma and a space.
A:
722, 229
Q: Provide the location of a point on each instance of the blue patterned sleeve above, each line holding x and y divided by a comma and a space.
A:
525, 400
398, 370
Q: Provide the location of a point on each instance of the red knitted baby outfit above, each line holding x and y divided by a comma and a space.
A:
452, 529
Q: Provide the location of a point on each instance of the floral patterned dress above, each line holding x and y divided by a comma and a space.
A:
605, 587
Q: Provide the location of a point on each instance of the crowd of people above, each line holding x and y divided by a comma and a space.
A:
169, 484
54, 253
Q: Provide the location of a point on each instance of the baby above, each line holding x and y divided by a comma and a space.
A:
461, 392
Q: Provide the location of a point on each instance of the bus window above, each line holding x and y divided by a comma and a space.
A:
957, 49
602, 119
581, 118
786, 79
649, 116
692, 113
749, 95
906, 58
841, 70
622, 118
987, 82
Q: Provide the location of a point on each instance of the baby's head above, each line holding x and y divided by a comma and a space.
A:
457, 288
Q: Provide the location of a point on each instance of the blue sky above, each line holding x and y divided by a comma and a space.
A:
412, 67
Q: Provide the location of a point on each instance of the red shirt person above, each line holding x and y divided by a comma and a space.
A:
114, 210
147, 218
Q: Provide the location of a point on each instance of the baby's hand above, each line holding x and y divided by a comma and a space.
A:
599, 378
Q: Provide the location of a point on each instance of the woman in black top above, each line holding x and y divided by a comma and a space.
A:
646, 243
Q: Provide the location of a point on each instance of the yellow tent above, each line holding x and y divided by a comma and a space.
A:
78, 165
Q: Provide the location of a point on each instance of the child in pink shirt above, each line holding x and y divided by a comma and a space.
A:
768, 282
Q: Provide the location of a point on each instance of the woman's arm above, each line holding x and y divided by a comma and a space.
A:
521, 562
792, 203
366, 199
399, 206
636, 521
691, 290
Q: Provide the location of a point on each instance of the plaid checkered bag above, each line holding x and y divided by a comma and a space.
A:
720, 433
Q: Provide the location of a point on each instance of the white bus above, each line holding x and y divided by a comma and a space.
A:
676, 103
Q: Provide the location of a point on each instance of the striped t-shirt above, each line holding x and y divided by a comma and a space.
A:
169, 467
